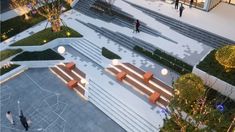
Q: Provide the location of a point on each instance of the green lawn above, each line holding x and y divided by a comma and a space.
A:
45, 36
5, 70
16, 25
212, 67
48, 54
8, 53
110, 55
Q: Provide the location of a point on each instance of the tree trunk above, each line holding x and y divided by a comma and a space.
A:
55, 25
26, 16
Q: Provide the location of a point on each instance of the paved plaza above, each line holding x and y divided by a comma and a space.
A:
50, 105
111, 105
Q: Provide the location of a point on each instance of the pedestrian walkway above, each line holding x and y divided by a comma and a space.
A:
191, 31
220, 20
168, 40
50, 105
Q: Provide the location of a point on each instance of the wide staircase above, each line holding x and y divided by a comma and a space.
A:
88, 49
193, 32
118, 111
128, 42
122, 18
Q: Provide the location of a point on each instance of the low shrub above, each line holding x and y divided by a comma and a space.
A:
109, 54
48, 54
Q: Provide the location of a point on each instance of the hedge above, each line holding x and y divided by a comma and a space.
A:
48, 54
167, 60
5, 70
109, 54
8, 53
211, 66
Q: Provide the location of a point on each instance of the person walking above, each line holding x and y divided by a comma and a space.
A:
23, 121
181, 9
191, 4
176, 4
137, 25
10, 117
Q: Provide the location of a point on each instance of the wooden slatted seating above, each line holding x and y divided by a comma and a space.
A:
80, 90
154, 88
59, 73
147, 76
72, 84
82, 74
121, 75
168, 88
70, 66
137, 86
141, 72
153, 98
71, 74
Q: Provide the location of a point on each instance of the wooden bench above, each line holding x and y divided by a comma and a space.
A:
70, 66
147, 76
154, 97
72, 84
121, 75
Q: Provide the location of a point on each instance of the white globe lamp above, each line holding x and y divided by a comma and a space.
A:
164, 71
115, 62
61, 49
83, 81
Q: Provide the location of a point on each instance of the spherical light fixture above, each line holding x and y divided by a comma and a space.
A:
61, 49
164, 71
68, 34
83, 81
115, 61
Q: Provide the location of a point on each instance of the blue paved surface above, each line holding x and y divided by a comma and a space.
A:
50, 105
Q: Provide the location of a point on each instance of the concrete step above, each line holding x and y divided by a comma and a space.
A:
193, 32
129, 115
87, 51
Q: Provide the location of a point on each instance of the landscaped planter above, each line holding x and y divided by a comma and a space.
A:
215, 83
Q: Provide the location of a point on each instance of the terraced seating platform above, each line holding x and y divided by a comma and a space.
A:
135, 78
70, 76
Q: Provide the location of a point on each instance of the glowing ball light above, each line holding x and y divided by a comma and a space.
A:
61, 49
164, 71
68, 33
83, 81
115, 62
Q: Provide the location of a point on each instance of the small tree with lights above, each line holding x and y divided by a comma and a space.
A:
226, 57
20, 5
51, 10
191, 97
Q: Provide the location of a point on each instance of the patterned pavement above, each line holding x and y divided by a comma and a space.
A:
51, 107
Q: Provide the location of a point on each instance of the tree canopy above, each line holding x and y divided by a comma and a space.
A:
226, 56
188, 89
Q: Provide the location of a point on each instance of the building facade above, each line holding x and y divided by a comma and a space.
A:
206, 5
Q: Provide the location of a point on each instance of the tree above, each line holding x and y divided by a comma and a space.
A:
202, 112
21, 6
226, 57
51, 10
188, 89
